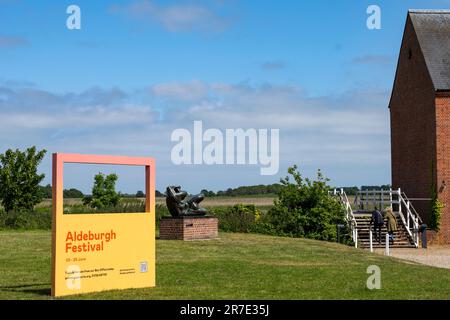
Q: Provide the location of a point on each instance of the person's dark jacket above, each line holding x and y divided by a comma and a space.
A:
377, 218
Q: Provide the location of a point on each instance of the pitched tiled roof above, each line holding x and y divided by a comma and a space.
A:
433, 31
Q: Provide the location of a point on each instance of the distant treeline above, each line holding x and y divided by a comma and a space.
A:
230, 192
351, 191
77, 194
274, 188
245, 191
68, 193
139, 194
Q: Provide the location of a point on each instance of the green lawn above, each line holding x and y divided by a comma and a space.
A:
237, 266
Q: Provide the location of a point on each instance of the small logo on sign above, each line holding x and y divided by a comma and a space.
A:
144, 267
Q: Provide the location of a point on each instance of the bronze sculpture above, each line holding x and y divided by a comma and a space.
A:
180, 207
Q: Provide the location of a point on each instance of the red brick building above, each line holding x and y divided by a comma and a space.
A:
420, 114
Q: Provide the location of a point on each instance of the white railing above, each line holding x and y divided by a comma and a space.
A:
387, 250
349, 216
369, 199
412, 219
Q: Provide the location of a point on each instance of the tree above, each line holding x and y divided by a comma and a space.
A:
350, 191
140, 194
104, 193
19, 180
73, 193
305, 208
207, 193
46, 191
382, 187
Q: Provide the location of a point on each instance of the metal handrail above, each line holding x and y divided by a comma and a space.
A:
412, 207
397, 197
349, 216
413, 232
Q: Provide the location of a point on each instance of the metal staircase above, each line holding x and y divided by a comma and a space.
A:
359, 213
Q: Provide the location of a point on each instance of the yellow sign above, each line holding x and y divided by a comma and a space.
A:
97, 252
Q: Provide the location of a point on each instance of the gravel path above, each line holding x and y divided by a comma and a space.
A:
438, 256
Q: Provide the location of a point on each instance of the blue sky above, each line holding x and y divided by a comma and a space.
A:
139, 69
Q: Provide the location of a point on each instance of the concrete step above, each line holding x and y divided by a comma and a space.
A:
396, 241
410, 246
402, 238
378, 246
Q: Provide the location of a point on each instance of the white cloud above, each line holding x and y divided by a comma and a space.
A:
191, 91
174, 17
284, 107
80, 117
25, 108
350, 130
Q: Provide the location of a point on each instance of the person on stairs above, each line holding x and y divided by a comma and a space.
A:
391, 223
378, 221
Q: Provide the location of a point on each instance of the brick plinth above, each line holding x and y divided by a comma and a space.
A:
188, 228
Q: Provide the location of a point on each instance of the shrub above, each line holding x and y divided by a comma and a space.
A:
239, 218
38, 219
126, 206
436, 214
305, 209
436, 204
161, 211
41, 218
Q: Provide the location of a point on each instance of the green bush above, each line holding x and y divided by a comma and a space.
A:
41, 218
238, 218
161, 211
305, 208
129, 206
436, 205
38, 219
436, 213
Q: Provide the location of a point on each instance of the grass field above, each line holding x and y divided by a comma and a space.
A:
236, 266
257, 200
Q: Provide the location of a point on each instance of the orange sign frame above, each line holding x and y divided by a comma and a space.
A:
97, 252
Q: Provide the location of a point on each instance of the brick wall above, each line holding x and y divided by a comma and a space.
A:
171, 229
413, 134
188, 228
443, 163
